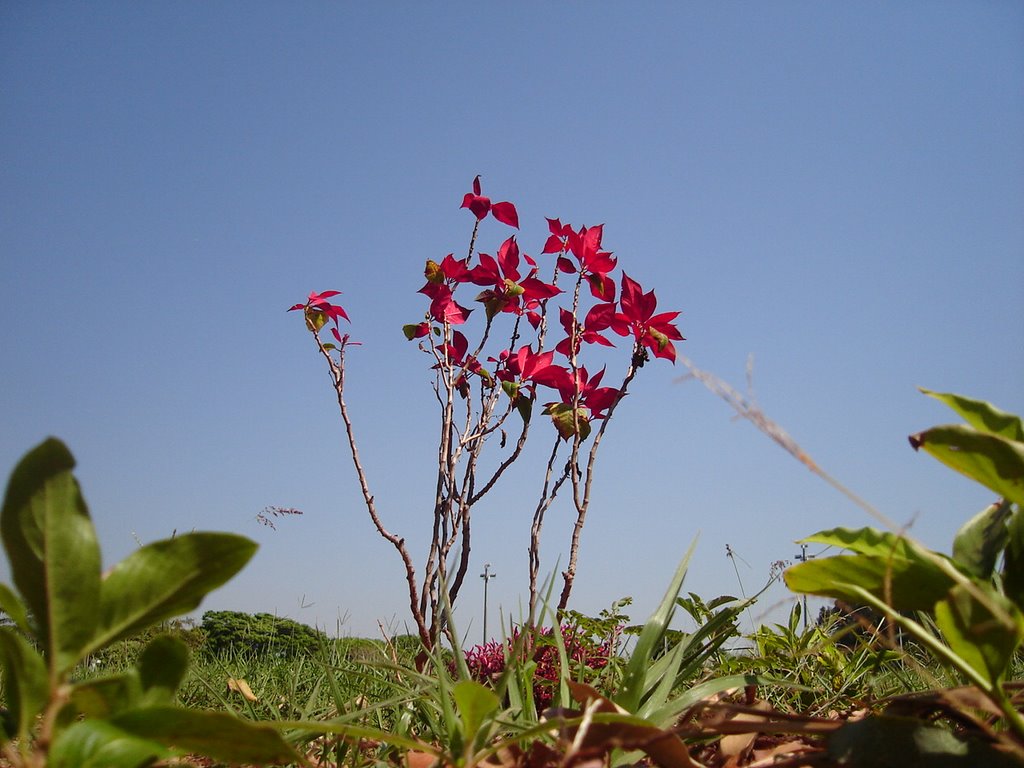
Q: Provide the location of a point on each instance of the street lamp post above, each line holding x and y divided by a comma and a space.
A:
803, 557
486, 576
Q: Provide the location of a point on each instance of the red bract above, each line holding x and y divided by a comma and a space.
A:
479, 206
318, 311
598, 319
440, 280
654, 332
527, 367
593, 397
593, 263
510, 292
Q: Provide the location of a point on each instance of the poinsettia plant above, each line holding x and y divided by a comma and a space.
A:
488, 388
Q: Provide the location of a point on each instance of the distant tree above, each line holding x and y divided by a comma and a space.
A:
261, 633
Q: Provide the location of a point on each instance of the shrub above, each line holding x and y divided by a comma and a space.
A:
264, 633
586, 657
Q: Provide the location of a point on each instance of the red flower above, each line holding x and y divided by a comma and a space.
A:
479, 206
654, 332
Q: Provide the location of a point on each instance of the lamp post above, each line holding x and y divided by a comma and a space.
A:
803, 557
486, 576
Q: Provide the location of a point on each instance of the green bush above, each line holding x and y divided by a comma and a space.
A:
262, 633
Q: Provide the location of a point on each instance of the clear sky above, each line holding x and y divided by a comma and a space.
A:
837, 189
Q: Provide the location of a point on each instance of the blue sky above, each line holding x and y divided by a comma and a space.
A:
835, 189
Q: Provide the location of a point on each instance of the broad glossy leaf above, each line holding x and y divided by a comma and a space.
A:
868, 541
475, 703
984, 633
906, 585
981, 415
978, 543
891, 742
1013, 559
26, 685
11, 605
995, 462
107, 695
162, 668
100, 744
213, 734
166, 579
53, 551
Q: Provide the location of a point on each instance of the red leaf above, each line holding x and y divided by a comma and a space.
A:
506, 214
476, 185
553, 244
508, 256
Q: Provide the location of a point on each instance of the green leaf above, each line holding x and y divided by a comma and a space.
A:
562, 416
978, 543
26, 686
525, 407
166, 579
983, 633
53, 551
995, 462
867, 541
891, 742
1013, 559
904, 584
983, 416
107, 695
213, 734
163, 666
637, 680
475, 704
11, 604
410, 330
100, 744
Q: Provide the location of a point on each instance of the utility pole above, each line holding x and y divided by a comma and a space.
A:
486, 576
803, 557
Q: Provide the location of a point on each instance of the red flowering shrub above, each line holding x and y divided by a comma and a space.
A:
586, 656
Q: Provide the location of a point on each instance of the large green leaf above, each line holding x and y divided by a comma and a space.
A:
1013, 559
53, 551
213, 734
868, 541
476, 703
26, 686
107, 695
891, 742
162, 668
166, 579
983, 416
978, 543
100, 744
906, 585
985, 633
995, 462
11, 604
